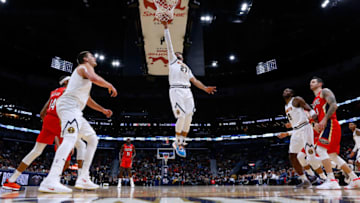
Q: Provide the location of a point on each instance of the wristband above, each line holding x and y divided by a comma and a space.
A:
312, 113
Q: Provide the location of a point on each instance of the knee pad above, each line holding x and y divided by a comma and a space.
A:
337, 160
301, 157
322, 152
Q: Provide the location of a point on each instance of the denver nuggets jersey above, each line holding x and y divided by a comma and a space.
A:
296, 115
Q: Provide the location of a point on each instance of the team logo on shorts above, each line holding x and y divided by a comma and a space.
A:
310, 151
323, 141
177, 112
71, 130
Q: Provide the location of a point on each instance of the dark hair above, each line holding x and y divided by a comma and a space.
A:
318, 79
80, 57
292, 91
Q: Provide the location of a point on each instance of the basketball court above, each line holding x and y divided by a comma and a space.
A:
174, 194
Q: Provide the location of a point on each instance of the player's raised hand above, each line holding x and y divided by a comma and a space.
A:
112, 91
210, 89
107, 112
283, 135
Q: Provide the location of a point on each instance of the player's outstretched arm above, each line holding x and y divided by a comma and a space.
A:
97, 107
43, 110
90, 74
200, 85
170, 49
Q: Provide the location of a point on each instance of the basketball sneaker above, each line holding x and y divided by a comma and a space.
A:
11, 186
53, 186
354, 184
84, 182
304, 184
180, 150
329, 185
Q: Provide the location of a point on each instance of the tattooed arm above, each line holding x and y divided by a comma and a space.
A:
331, 101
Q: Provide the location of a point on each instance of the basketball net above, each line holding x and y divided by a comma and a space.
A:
165, 9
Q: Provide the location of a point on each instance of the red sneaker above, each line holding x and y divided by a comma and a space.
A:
11, 186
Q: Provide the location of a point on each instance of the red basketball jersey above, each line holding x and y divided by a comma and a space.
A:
128, 151
321, 107
53, 97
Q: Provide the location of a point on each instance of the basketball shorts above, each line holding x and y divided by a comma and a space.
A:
330, 137
72, 121
300, 137
182, 101
126, 163
51, 127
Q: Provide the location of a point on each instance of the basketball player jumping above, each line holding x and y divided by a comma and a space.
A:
74, 126
356, 136
127, 154
328, 145
181, 97
50, 129
302, 134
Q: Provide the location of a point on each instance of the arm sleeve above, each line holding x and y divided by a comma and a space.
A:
171, 54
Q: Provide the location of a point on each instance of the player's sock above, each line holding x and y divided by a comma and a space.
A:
330, 176
13, 178
79, 171
352, 175
181, 140
310, 172
322, 176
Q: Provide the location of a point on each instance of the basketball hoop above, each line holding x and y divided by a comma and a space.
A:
165, 9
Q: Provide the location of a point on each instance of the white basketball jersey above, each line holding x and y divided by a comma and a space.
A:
296, 115
179, 74
78, 89
356, 139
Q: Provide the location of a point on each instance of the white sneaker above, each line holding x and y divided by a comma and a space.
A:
354, 184
53, 186
119, 184
329, 185
84, 182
